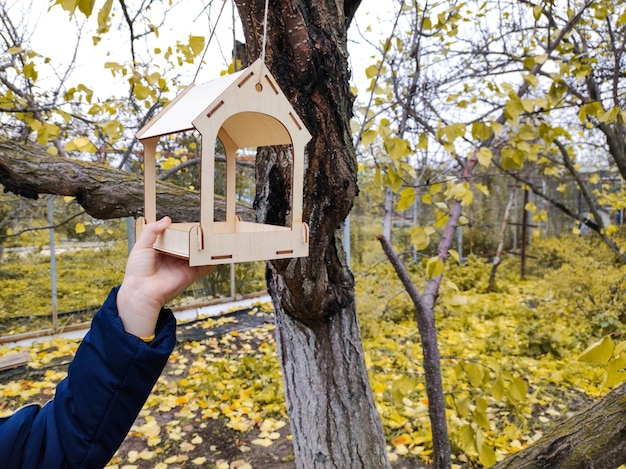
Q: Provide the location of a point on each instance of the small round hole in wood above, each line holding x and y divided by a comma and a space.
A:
259, 87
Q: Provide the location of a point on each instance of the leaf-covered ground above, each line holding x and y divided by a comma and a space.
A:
510, 367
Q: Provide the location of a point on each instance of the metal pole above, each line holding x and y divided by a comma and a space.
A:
53, 265
130, 233
524, 234
232, 281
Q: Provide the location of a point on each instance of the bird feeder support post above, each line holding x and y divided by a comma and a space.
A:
149, 162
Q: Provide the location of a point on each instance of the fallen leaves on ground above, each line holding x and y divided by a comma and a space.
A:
509, 364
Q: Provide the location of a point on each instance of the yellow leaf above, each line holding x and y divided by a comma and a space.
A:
80, 228
518, 389
141, 92
153, 441
30, 72
480, 418
615, 373
457, 191
453, 131
422, 143
482, 188
99, 230
598, 353
197, 44
86, 7
407, 199
487, 456
401, 387
394, 181
434, 267
484, 156
532, 80
419, 238
371, 71
104, 13
454, 255
262, 442
397, 147
69, 5
404, 439
475, 373
530, 207
80, 144
480, 131
146, 455
170, 163
368, 137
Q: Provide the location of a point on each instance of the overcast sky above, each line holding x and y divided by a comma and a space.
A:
55, 37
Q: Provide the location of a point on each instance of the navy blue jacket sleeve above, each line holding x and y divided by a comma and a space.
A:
94, 407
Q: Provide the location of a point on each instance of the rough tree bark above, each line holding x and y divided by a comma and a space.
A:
592, 439
332, 414
103, 192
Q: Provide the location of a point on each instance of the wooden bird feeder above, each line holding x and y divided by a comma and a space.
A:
243, 110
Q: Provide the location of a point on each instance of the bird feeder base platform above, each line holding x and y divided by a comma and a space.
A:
230, 242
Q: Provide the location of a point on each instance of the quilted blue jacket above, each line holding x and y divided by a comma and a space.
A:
107, 384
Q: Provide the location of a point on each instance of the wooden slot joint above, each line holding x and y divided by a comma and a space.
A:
245, 79
222, 257
215, 108
274, 88
285, 252
200, 235
295, 121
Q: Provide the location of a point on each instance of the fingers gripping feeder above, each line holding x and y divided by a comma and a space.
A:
243, 110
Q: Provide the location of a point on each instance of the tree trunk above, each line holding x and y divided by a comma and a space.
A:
327, 391
425, 318
331, 408
592, 439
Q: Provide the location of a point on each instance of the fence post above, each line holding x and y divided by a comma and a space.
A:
53, 265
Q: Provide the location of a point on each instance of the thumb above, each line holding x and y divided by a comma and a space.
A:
151, 231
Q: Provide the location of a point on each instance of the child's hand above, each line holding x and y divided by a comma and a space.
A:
151, 280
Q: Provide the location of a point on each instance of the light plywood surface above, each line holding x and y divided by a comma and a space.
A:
244, 110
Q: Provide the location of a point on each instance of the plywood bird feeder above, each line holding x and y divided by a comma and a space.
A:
243, 110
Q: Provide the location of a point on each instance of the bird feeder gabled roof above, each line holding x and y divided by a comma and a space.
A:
179, 114
197, 101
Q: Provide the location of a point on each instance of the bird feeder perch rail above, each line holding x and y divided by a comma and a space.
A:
246, 109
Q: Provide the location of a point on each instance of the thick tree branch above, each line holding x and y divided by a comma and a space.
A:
103, 192
594, 438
